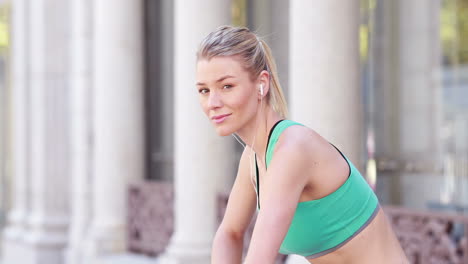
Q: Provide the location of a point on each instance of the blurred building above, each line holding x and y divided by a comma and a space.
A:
97, 95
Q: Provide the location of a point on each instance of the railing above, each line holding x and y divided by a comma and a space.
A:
430, 237
150, 220
426, 237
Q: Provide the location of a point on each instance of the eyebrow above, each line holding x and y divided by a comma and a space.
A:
219, 80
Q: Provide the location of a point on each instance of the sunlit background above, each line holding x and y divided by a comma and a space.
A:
412, 148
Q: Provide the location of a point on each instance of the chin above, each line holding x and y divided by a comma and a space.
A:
224, 131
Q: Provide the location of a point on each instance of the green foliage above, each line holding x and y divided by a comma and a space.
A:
454, 31
239, 12
4, 27
367, 9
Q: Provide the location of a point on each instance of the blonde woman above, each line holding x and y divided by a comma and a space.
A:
311, 200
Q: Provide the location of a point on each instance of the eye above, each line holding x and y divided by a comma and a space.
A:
227, 86
203, 91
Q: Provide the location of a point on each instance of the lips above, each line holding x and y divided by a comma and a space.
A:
220, 118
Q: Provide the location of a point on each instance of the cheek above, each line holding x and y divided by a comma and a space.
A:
203, 104
247, 102
240, 101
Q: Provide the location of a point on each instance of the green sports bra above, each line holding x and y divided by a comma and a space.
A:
322, 226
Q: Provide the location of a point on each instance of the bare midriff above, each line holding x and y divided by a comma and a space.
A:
377, 243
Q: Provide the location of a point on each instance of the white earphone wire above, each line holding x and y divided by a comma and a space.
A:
252, 178
250, 163
238, 140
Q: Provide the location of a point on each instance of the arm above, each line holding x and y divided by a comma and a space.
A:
281, 191
228, 241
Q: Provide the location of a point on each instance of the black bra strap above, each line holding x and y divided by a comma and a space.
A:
258, 182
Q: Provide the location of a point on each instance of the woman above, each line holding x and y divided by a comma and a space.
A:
311, 200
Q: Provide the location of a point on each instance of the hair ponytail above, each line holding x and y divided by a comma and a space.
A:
276, 95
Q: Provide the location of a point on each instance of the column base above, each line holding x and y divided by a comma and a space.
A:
76, 243
37, 247
14, 251
124, 259
31, 251
39, 255
105, 241
13, 233
15, 229
171, 259
181, 253
41, 243
74, 255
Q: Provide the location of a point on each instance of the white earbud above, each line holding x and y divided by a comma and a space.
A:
261, 89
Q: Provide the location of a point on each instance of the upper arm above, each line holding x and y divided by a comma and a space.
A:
282, 187
242, 199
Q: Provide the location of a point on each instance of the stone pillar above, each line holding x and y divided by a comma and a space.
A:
80, 125
49, 170
201, 157
270, 20
420, 95
15, 230
259, 18
385, 78
324, 88
159, 30
118, 134
279, 46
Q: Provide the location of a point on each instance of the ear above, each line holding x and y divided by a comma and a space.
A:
264, 82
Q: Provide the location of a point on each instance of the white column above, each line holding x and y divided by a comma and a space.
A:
16, 229
118, 151
80, 125
49, 171
419, 79
279, 40
201, 157
420, 106
324, 88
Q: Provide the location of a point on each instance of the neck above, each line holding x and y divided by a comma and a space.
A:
255, 133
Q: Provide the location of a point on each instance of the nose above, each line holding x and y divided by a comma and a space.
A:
214, 100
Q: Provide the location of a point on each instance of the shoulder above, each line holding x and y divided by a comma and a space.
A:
296, 156
301, 140
303, 154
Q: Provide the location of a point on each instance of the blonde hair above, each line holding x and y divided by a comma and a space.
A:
254, 53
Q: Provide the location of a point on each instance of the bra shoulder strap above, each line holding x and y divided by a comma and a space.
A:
275, 134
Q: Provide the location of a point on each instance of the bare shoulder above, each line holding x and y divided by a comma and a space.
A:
323, 165
302, 140
314, 157
303, 149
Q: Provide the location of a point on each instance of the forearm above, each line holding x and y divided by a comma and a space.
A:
269, 232
261, 249
227, 249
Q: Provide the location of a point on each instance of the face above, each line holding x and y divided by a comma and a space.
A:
227, 94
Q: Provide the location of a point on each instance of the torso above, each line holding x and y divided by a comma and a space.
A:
375, 244
377, 239
333, 171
